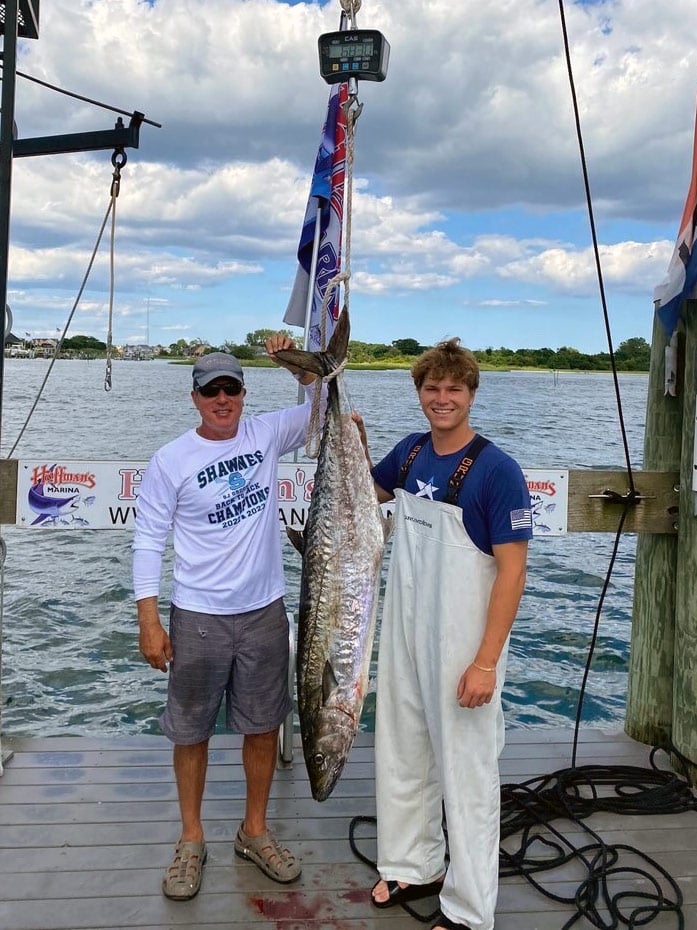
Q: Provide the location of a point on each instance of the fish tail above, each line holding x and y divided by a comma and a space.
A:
323, 363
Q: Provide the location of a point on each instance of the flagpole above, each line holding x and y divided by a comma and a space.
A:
313, 276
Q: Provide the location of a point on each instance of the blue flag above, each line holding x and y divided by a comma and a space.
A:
327, 199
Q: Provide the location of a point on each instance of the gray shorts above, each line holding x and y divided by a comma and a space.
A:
242, 657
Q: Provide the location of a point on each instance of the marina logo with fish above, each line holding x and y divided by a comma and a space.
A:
56, 491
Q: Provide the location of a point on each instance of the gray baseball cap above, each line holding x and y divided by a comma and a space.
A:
216, 365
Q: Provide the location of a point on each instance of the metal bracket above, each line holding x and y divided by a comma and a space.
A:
119, 137
631, 497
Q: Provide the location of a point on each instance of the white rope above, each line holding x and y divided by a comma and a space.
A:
67, 325
313, 436
118, 160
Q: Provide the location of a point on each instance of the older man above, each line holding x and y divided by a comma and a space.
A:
215, 488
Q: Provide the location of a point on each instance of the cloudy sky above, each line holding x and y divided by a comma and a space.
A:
469, 209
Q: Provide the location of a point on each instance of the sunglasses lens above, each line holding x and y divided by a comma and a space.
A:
212, 390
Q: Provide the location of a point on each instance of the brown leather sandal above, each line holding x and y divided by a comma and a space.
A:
182, 879
267, 853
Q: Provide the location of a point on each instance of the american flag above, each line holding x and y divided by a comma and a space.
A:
521, 519
326, 196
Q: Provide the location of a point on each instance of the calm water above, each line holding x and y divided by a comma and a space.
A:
70, 658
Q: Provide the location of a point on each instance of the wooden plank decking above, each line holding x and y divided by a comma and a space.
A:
87, 827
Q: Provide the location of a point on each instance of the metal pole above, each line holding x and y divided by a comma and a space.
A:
313, 277
7, 117
310, 298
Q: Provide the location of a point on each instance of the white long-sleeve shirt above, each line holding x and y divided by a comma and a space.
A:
220, 500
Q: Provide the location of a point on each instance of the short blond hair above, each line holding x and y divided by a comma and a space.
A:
447, 360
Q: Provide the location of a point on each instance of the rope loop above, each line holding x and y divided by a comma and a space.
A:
313, 437
118, 160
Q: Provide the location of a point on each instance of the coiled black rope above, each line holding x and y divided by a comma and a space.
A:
619, 885
531, 810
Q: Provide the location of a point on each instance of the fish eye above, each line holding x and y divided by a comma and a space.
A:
319, 759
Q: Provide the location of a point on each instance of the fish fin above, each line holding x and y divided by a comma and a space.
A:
329, 682
308, 361
297, 537
322, 363
338, 344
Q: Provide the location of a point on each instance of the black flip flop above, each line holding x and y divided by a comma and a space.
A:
399, 895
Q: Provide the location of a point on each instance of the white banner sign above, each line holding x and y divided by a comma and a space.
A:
75, 495
104, 495
549, 499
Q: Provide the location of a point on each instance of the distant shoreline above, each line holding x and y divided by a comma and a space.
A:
368, 366
357, 366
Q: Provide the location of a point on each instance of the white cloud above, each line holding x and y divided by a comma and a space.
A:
467, 164
629, 266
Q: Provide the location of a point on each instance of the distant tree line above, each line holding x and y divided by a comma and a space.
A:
631, 355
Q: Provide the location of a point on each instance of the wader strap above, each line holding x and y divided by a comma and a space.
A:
404, 470
460, 473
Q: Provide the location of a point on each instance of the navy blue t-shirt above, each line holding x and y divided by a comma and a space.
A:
494, 496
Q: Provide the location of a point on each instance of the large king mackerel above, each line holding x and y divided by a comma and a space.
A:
342, 547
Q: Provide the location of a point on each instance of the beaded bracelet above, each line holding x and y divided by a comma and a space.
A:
483, 668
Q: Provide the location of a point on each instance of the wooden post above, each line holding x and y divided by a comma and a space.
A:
685, 671
649, 714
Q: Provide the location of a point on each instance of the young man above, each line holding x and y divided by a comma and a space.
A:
457, 573
215, 488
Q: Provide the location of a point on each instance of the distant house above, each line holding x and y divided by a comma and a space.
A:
44, 348
137, 353
200, 350
18, 348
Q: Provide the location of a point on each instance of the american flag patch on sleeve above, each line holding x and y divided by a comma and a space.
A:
521, 519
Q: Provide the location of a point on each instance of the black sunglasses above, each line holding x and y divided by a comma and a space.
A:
231, 389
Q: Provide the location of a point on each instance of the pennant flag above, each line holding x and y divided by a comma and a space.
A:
326, 199
682, 271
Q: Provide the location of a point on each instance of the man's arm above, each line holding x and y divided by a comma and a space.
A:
478, 682
153, 641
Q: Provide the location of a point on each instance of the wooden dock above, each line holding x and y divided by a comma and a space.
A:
87, 827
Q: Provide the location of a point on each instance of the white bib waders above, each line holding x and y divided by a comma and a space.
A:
429, 750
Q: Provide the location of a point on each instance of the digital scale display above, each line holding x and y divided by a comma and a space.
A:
357, 53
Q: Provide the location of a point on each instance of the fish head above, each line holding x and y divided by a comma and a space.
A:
327, 749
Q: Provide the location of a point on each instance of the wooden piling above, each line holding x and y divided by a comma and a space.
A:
685, 666
649, 714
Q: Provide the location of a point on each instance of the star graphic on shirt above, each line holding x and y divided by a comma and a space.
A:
426, 488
